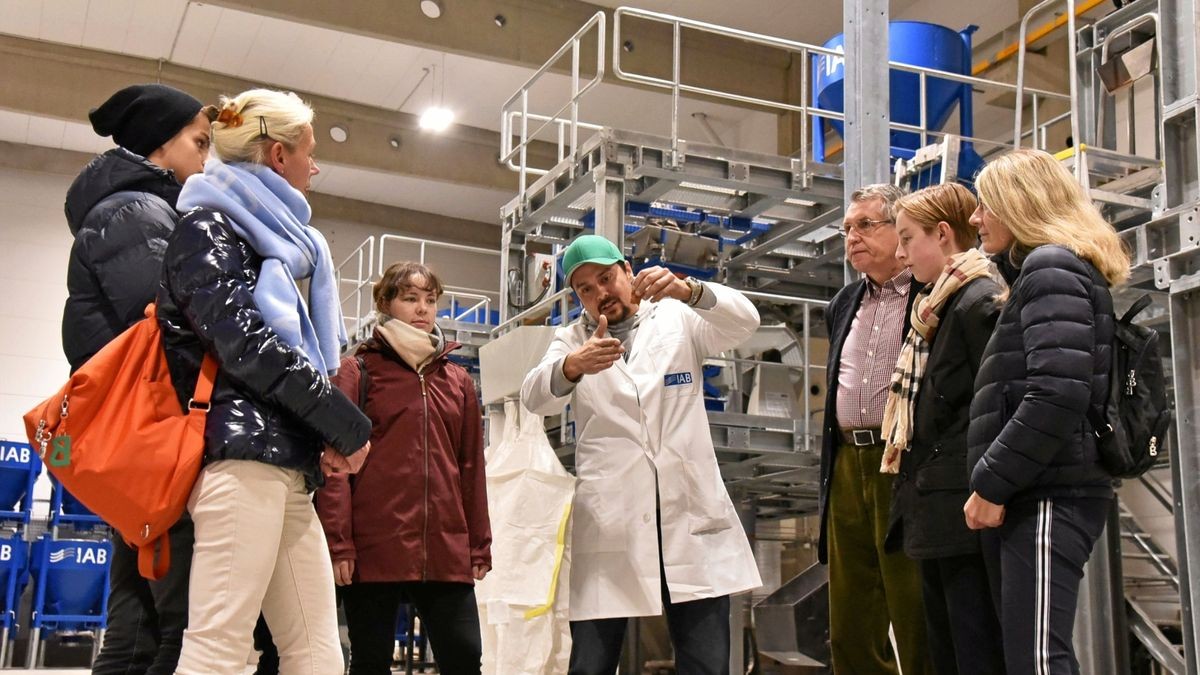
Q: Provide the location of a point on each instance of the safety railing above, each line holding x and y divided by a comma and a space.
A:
813, 56
355, 272
563, 136
359, 271
1073, 77
521, 150
543, 310
1125, 29
481, 298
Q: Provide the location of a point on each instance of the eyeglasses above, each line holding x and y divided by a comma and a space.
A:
863, 227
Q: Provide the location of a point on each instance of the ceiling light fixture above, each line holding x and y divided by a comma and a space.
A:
394, 142
437, 117
338, 133
500, 20
431, 8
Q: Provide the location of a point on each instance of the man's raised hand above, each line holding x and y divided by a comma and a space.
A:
598, 354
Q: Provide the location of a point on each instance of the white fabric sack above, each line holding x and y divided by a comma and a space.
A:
523, 600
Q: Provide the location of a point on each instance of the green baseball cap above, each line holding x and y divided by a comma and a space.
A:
590, 248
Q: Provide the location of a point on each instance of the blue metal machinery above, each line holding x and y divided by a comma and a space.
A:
914, 43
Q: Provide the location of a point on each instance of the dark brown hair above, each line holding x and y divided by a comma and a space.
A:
400, 277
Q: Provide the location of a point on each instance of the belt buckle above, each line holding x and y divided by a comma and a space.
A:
869, 434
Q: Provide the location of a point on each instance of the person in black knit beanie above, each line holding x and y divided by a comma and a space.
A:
121, 209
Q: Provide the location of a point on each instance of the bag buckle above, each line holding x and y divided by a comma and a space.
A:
1108, 429
202, 405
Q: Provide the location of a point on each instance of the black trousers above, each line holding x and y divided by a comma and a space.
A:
699, 635
449, 618
961, 620
1035, 563
146, 619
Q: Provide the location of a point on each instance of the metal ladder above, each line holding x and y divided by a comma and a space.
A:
1156, 584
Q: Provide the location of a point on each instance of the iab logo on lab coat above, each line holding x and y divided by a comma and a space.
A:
676, 379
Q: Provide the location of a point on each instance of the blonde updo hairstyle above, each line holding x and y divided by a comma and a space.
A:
1040, 202
237, 133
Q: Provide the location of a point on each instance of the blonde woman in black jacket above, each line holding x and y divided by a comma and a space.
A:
925, 425
1039, 493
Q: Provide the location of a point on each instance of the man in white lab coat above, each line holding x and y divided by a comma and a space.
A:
653, 525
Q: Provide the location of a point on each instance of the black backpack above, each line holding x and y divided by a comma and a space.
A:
1131, 428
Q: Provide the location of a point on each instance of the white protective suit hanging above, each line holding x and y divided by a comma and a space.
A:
523, 600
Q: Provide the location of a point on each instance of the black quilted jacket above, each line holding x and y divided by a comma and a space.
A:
1047, 361
269, 404
121, 209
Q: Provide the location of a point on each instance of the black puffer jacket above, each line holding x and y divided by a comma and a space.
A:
269, 403
121, 209
931, 487
1047, 361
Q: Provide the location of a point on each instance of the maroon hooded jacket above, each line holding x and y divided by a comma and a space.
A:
417, 511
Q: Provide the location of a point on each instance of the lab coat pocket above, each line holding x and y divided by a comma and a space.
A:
708, 509
598, 521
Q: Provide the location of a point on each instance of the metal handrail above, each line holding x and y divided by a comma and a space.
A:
546, 303
806, 51
507, 151
563, 127
423, 244
363, 256
1073, 76
1128, 27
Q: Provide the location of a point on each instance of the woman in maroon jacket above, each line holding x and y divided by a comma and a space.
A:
412, 525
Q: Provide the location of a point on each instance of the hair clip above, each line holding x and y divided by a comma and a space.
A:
262, 127
230, 117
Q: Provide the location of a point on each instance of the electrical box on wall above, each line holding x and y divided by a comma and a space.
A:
539, 276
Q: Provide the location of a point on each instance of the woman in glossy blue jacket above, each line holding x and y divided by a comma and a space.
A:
276, 422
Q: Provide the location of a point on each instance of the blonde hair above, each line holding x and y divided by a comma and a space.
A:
889, 193
238, 132
947, 202
1040, 202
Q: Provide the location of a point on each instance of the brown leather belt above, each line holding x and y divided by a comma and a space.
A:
862, 437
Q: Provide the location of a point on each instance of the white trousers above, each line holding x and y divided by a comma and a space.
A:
259, 544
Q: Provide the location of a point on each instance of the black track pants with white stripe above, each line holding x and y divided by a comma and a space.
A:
1035, 563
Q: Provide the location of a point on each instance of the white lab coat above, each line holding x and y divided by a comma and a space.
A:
640, 419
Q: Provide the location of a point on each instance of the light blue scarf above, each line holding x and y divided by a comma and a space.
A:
273, 217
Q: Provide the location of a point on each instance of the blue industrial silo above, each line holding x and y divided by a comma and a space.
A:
914, 43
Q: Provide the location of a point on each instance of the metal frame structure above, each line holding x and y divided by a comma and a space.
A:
789, 270
1154, 201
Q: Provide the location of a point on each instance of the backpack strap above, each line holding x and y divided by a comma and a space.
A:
364, 382
1136, 308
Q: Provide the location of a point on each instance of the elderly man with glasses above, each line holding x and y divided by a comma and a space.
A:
867, 320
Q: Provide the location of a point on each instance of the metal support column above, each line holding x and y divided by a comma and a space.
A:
1181, 144
867, 101
1185, 465
1180, 89
867, 150
1100, 627
610, 205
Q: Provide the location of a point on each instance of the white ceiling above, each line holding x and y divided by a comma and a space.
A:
459, 201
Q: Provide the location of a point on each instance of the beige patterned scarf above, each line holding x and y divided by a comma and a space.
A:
416, 347
960, 269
